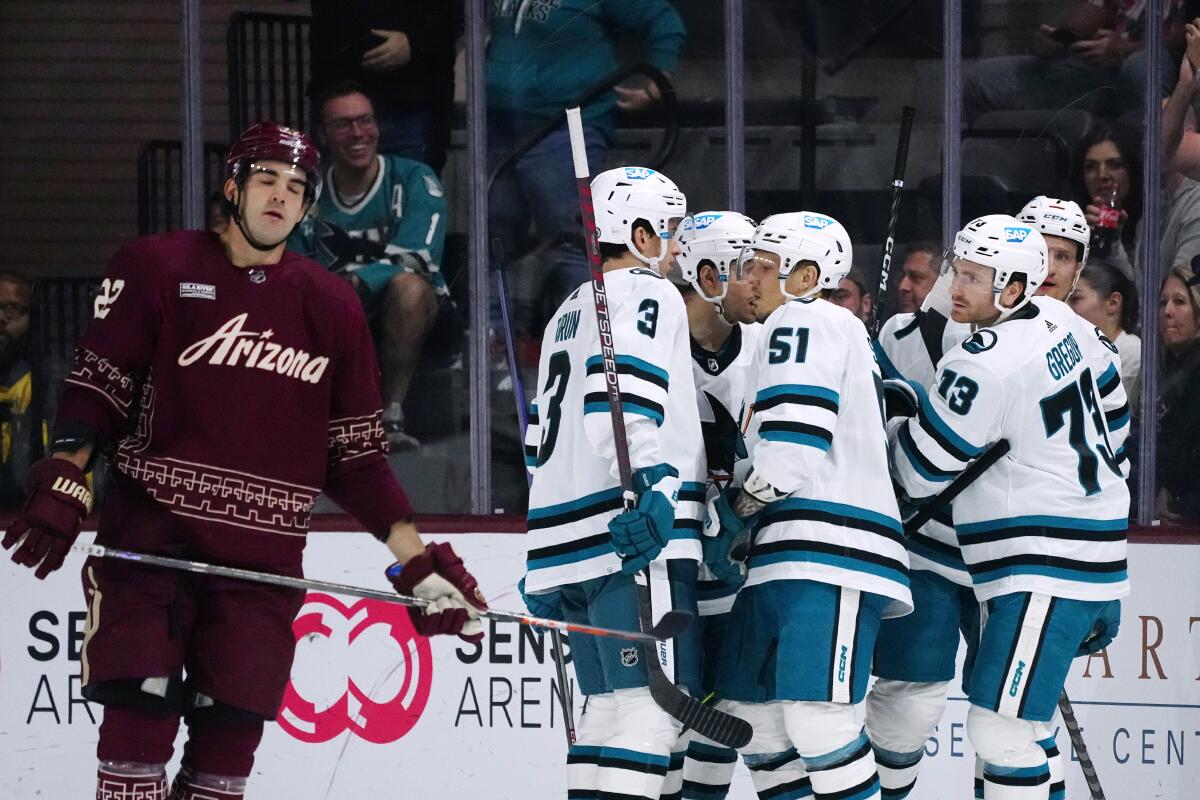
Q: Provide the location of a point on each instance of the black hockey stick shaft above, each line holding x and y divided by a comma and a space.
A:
564, 694
1081, 751
875, 322
716, 725
671, 625
566, 697
964, 479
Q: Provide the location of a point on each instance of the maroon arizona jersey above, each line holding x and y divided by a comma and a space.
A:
230, 398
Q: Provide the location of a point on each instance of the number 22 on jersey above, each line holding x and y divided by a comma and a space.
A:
110, 290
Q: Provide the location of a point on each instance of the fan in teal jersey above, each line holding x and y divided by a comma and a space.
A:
381, 223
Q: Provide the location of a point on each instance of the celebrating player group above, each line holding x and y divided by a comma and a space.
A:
776, 453
708, 433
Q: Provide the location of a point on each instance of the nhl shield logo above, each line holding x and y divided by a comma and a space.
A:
629, 657
713, 366
257, 276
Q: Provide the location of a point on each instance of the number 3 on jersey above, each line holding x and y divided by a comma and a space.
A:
110, 290
648, 318
560, 371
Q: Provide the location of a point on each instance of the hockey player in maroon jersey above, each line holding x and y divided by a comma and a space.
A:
230, 382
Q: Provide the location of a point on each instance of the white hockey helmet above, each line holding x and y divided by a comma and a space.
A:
1008, 247
799, 236
624, 195
1059, 218
715, 236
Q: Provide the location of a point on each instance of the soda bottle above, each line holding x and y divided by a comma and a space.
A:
1107, 229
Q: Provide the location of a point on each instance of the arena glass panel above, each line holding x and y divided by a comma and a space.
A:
669, 117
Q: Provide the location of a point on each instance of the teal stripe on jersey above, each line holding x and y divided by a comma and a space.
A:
819, 392
885, 364
595, 551
937, 427
1108, 380
635, 363
793, 437
1057, 573
830, 560
1119, 422
1042, 521
924, 467
628, 406
596, 498
918, 546
836, 509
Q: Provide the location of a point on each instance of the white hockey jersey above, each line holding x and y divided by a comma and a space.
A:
1050, 516
816, 431
569, 441
724, 383
909, 347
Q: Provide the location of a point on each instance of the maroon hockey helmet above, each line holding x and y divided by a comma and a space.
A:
269, 141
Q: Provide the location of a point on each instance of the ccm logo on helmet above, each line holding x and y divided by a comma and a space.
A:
638, 173
1056, 218
230, 343
816, 221
1015, 234
72, 489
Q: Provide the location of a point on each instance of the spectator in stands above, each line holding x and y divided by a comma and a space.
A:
918, 272
852, 294
1180, 201
541, 58
216, 214
20, 434
1105, 297
1110, 163
380, 221
402, 54
1095, 45
1179, 398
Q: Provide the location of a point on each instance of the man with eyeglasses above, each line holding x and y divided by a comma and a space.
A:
403, 55
381, 224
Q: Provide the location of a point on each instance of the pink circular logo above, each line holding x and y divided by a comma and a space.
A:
361, 668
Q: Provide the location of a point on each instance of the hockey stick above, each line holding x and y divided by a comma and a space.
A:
943, 499
875, 321
518, 387
1076, 734
964, 479
671, 625
718, 726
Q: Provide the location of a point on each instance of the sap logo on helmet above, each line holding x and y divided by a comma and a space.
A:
1016, 234
702, 221
817, 221
638, 173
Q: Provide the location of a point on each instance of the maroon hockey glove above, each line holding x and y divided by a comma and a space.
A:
438, 575
49, 523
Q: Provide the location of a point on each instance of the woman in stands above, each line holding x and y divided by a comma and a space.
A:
1105, 297
1110, 168
1179, 397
